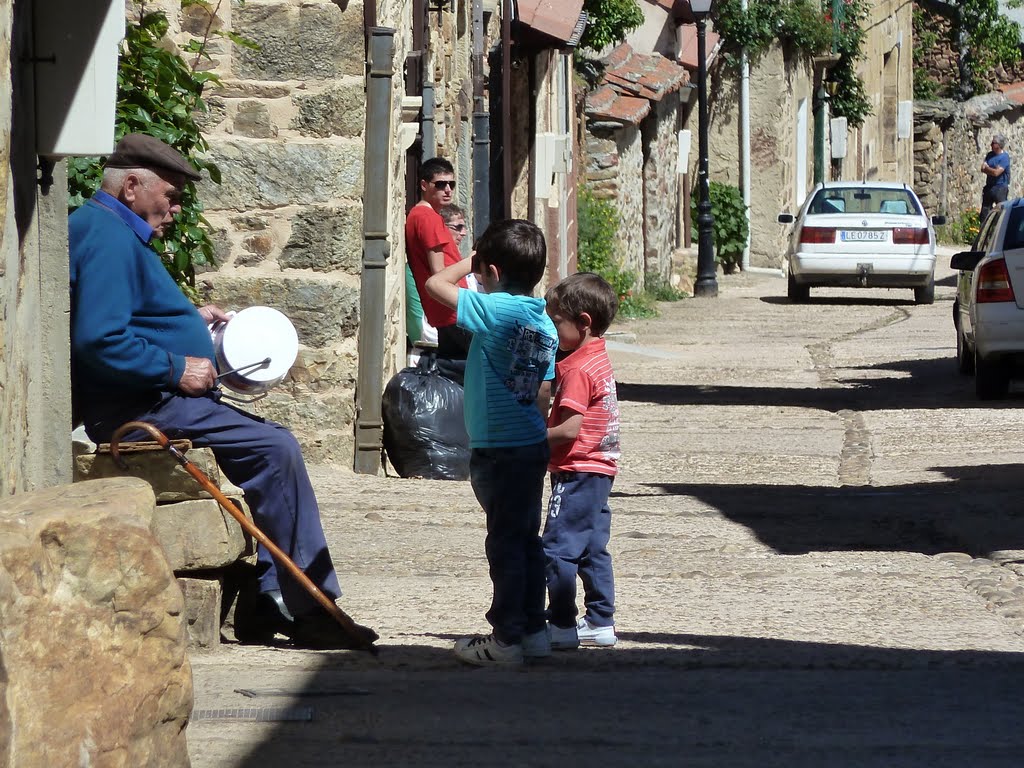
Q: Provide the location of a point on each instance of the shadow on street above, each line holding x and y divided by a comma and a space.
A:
930, 383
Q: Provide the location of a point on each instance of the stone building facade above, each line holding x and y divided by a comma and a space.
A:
782, 108
950, 140
633, 123
35, 398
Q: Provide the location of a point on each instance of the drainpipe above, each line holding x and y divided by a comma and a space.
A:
745, 143
376, 204
506, 103
427, 127
481, 129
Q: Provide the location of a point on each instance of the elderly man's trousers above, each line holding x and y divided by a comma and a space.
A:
264, 460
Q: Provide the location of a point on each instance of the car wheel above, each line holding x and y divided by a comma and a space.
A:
925, 294
964, 355
991, 378
797, 293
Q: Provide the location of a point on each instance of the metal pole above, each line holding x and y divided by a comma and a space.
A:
707, 282
376, 249
481, 129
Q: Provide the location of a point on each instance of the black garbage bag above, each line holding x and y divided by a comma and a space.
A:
424, 431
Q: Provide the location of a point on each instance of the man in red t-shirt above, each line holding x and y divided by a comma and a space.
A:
429, 249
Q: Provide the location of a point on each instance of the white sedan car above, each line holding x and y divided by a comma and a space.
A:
989, 309
861, 235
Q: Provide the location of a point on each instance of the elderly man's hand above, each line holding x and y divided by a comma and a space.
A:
199, 377
211, 313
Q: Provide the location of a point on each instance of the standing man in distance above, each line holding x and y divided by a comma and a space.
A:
141, 351
430, 248
996, 168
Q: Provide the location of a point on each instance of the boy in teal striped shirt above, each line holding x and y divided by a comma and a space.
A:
508, 384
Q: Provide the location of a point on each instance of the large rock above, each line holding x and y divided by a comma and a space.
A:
91, 635
269, 174
316, 40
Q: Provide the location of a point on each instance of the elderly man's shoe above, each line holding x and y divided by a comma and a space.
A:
259, 616
319, 630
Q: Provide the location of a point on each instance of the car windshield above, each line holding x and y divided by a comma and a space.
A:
861, 200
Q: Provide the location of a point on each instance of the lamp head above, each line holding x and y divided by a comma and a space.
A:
700, 7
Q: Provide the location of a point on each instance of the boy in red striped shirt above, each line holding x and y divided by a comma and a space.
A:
583, 432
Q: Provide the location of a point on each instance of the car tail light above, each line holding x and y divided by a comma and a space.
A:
994, 283
910, 236
818, 235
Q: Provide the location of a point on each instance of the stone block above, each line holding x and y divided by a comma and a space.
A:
326, 239
198, 535
271, 174
94, 670
202, 611
168, 479
252, 119
339, 110
315, 41
322, 311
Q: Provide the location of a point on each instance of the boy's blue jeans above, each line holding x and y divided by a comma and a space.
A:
509, 484
576, 542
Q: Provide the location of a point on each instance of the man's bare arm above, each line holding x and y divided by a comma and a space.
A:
443, 286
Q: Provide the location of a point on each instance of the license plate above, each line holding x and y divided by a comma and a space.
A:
864, 235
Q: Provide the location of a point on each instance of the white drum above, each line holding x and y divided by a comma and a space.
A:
255, 349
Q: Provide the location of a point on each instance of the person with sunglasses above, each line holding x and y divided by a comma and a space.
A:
455, 219
430, 248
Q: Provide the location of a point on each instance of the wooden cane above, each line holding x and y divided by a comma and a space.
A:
362, 636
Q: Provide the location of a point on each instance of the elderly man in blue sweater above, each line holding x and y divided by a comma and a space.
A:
141, 350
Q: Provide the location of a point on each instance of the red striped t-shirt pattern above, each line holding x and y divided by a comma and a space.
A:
585, 384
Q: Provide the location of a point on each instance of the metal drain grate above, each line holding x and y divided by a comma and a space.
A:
256, 714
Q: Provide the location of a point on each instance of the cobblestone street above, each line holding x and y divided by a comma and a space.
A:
819, 555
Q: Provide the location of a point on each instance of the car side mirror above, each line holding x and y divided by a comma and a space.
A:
966, 261
938, 221
786, 218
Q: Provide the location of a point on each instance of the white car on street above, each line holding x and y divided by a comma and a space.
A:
861, 235
988, 312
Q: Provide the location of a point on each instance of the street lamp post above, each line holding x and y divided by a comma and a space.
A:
707, 282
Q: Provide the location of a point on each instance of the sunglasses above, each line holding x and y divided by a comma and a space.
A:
443, 184
457, 227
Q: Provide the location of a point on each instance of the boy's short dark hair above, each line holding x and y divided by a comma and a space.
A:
586, 292
518, 249
435, 166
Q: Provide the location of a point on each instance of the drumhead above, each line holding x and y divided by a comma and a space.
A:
256, 333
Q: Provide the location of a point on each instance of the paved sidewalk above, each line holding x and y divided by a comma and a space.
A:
818, 561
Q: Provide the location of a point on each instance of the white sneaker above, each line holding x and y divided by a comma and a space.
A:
588, 634
537, 645
563, 638
486, 650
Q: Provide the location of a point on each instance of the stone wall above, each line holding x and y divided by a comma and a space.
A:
950, 141
661, 185
92, 646
35, 398
286, 130
614, 154
777, 86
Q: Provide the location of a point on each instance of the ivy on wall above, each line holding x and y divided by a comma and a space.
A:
803, 28
980, 36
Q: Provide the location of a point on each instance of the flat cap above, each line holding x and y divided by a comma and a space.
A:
137, 150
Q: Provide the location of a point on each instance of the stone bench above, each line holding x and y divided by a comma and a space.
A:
203, 543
